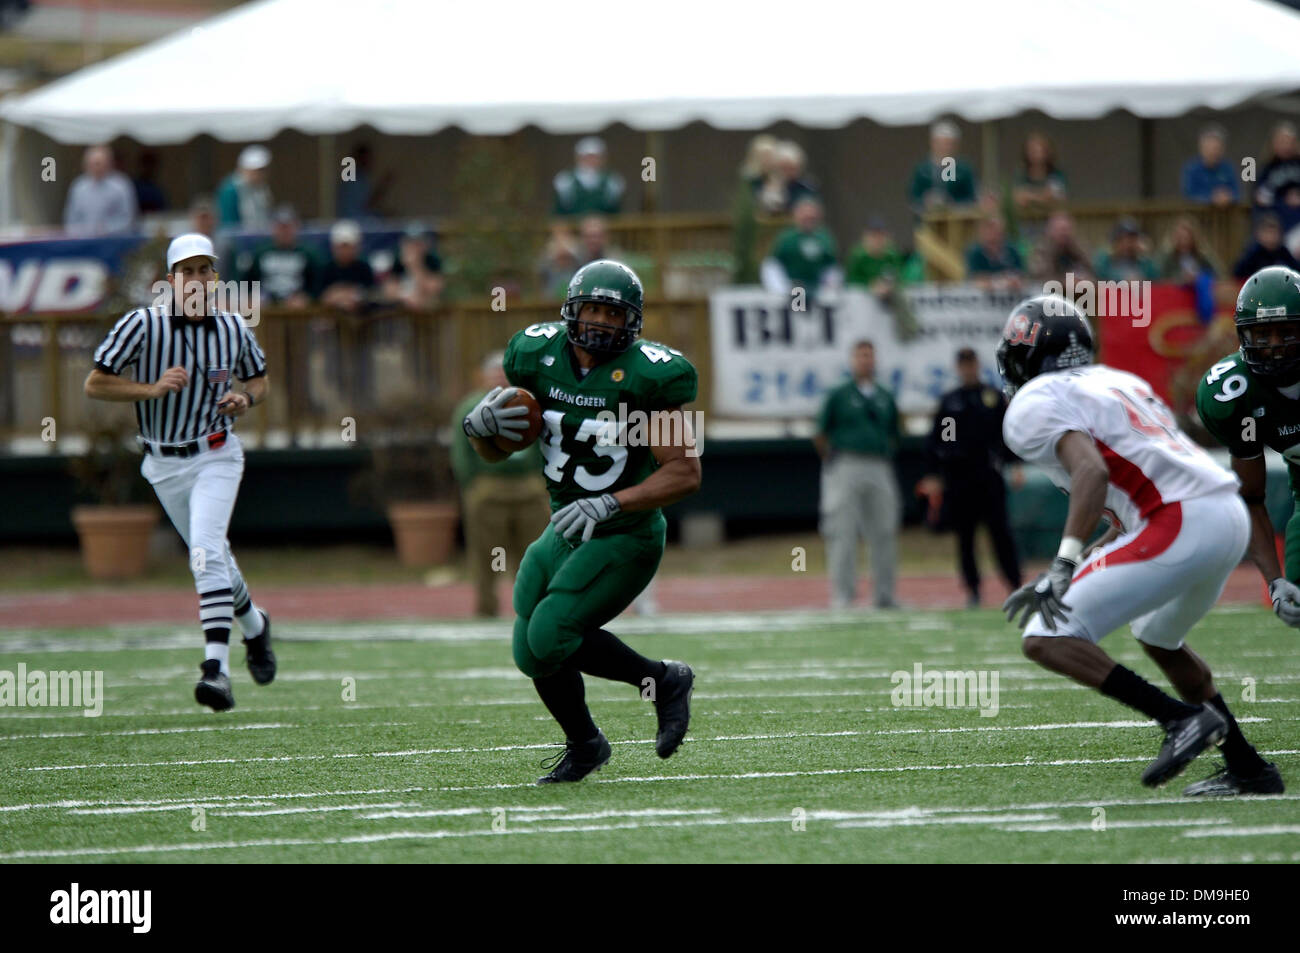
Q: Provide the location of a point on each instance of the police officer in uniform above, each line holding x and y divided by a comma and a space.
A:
965, 456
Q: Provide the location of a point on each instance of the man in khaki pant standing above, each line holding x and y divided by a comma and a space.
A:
504, 505
857, 438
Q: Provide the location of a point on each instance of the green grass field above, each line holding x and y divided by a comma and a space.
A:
793, 728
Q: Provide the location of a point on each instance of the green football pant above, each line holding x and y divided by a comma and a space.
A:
563, 591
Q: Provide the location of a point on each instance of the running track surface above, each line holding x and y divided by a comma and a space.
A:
101, 605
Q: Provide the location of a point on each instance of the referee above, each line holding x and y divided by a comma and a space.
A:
184, 365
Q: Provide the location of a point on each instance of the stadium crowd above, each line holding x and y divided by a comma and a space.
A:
1009, 251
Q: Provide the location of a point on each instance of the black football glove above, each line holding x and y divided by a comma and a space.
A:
1045, 595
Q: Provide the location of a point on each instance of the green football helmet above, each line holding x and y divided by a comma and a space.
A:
1268, 325
604, 282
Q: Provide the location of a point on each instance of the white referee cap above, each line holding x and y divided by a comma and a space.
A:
188, 246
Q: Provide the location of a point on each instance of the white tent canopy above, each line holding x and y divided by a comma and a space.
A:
491, 67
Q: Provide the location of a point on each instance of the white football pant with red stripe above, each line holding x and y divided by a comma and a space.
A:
1161, 577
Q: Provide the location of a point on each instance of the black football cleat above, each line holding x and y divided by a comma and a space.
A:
1184, 740
213, 688
1223, 783
577, 760
258, 654
673, 705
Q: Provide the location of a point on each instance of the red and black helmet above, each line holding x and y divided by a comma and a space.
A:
1042, 334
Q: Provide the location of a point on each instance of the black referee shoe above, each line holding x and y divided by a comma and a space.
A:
673, 706
258, 654
1184, 740
578, 760
213, 688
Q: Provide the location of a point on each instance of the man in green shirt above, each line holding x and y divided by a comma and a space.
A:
857, 439
504, 507
942, 178
804, 255
588, 188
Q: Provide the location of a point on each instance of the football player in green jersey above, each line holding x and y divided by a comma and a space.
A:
608, 481
1250, 400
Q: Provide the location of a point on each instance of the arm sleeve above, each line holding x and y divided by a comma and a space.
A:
514, 366
252, 362
824, 415
1223, 419
682, 388
121, 347
1037, 420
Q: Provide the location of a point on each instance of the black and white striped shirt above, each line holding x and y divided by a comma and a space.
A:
214, 350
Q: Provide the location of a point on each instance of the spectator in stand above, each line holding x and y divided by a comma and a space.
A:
347, 280
1266, 248
203, 216
943, 178
1185, 259
1126, 260
1209, 178
101, 200
415, 280
288, 270
1279, 179
804, 255
791, 167
559, 262
359, 198
876, 263
244, 198
760, 162
993, 262
595, 242
588, 188
1039, 184
1058, 253
149, 196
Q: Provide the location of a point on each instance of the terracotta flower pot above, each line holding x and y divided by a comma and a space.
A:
425, 533
115, 539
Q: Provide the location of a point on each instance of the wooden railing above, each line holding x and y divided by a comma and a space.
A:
323, 366
1225, 230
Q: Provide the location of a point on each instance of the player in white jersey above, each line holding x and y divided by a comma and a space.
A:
1177, 529
185, 360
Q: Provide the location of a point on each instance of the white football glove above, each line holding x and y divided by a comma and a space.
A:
491, 416
583, 515
1045, 595
1286, 600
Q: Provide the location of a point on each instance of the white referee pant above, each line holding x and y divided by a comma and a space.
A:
199, 494
860, 499
1161, 578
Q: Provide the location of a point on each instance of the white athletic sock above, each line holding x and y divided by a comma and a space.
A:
250, 620
219, 651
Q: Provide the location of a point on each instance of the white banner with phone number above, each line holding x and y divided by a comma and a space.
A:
770, 360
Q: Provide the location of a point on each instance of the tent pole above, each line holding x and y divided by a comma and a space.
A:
8, 155
989, 155
329, 177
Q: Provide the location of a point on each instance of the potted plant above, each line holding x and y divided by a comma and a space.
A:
116, 529
410, 477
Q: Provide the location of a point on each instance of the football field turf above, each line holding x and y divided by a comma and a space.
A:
796, 751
